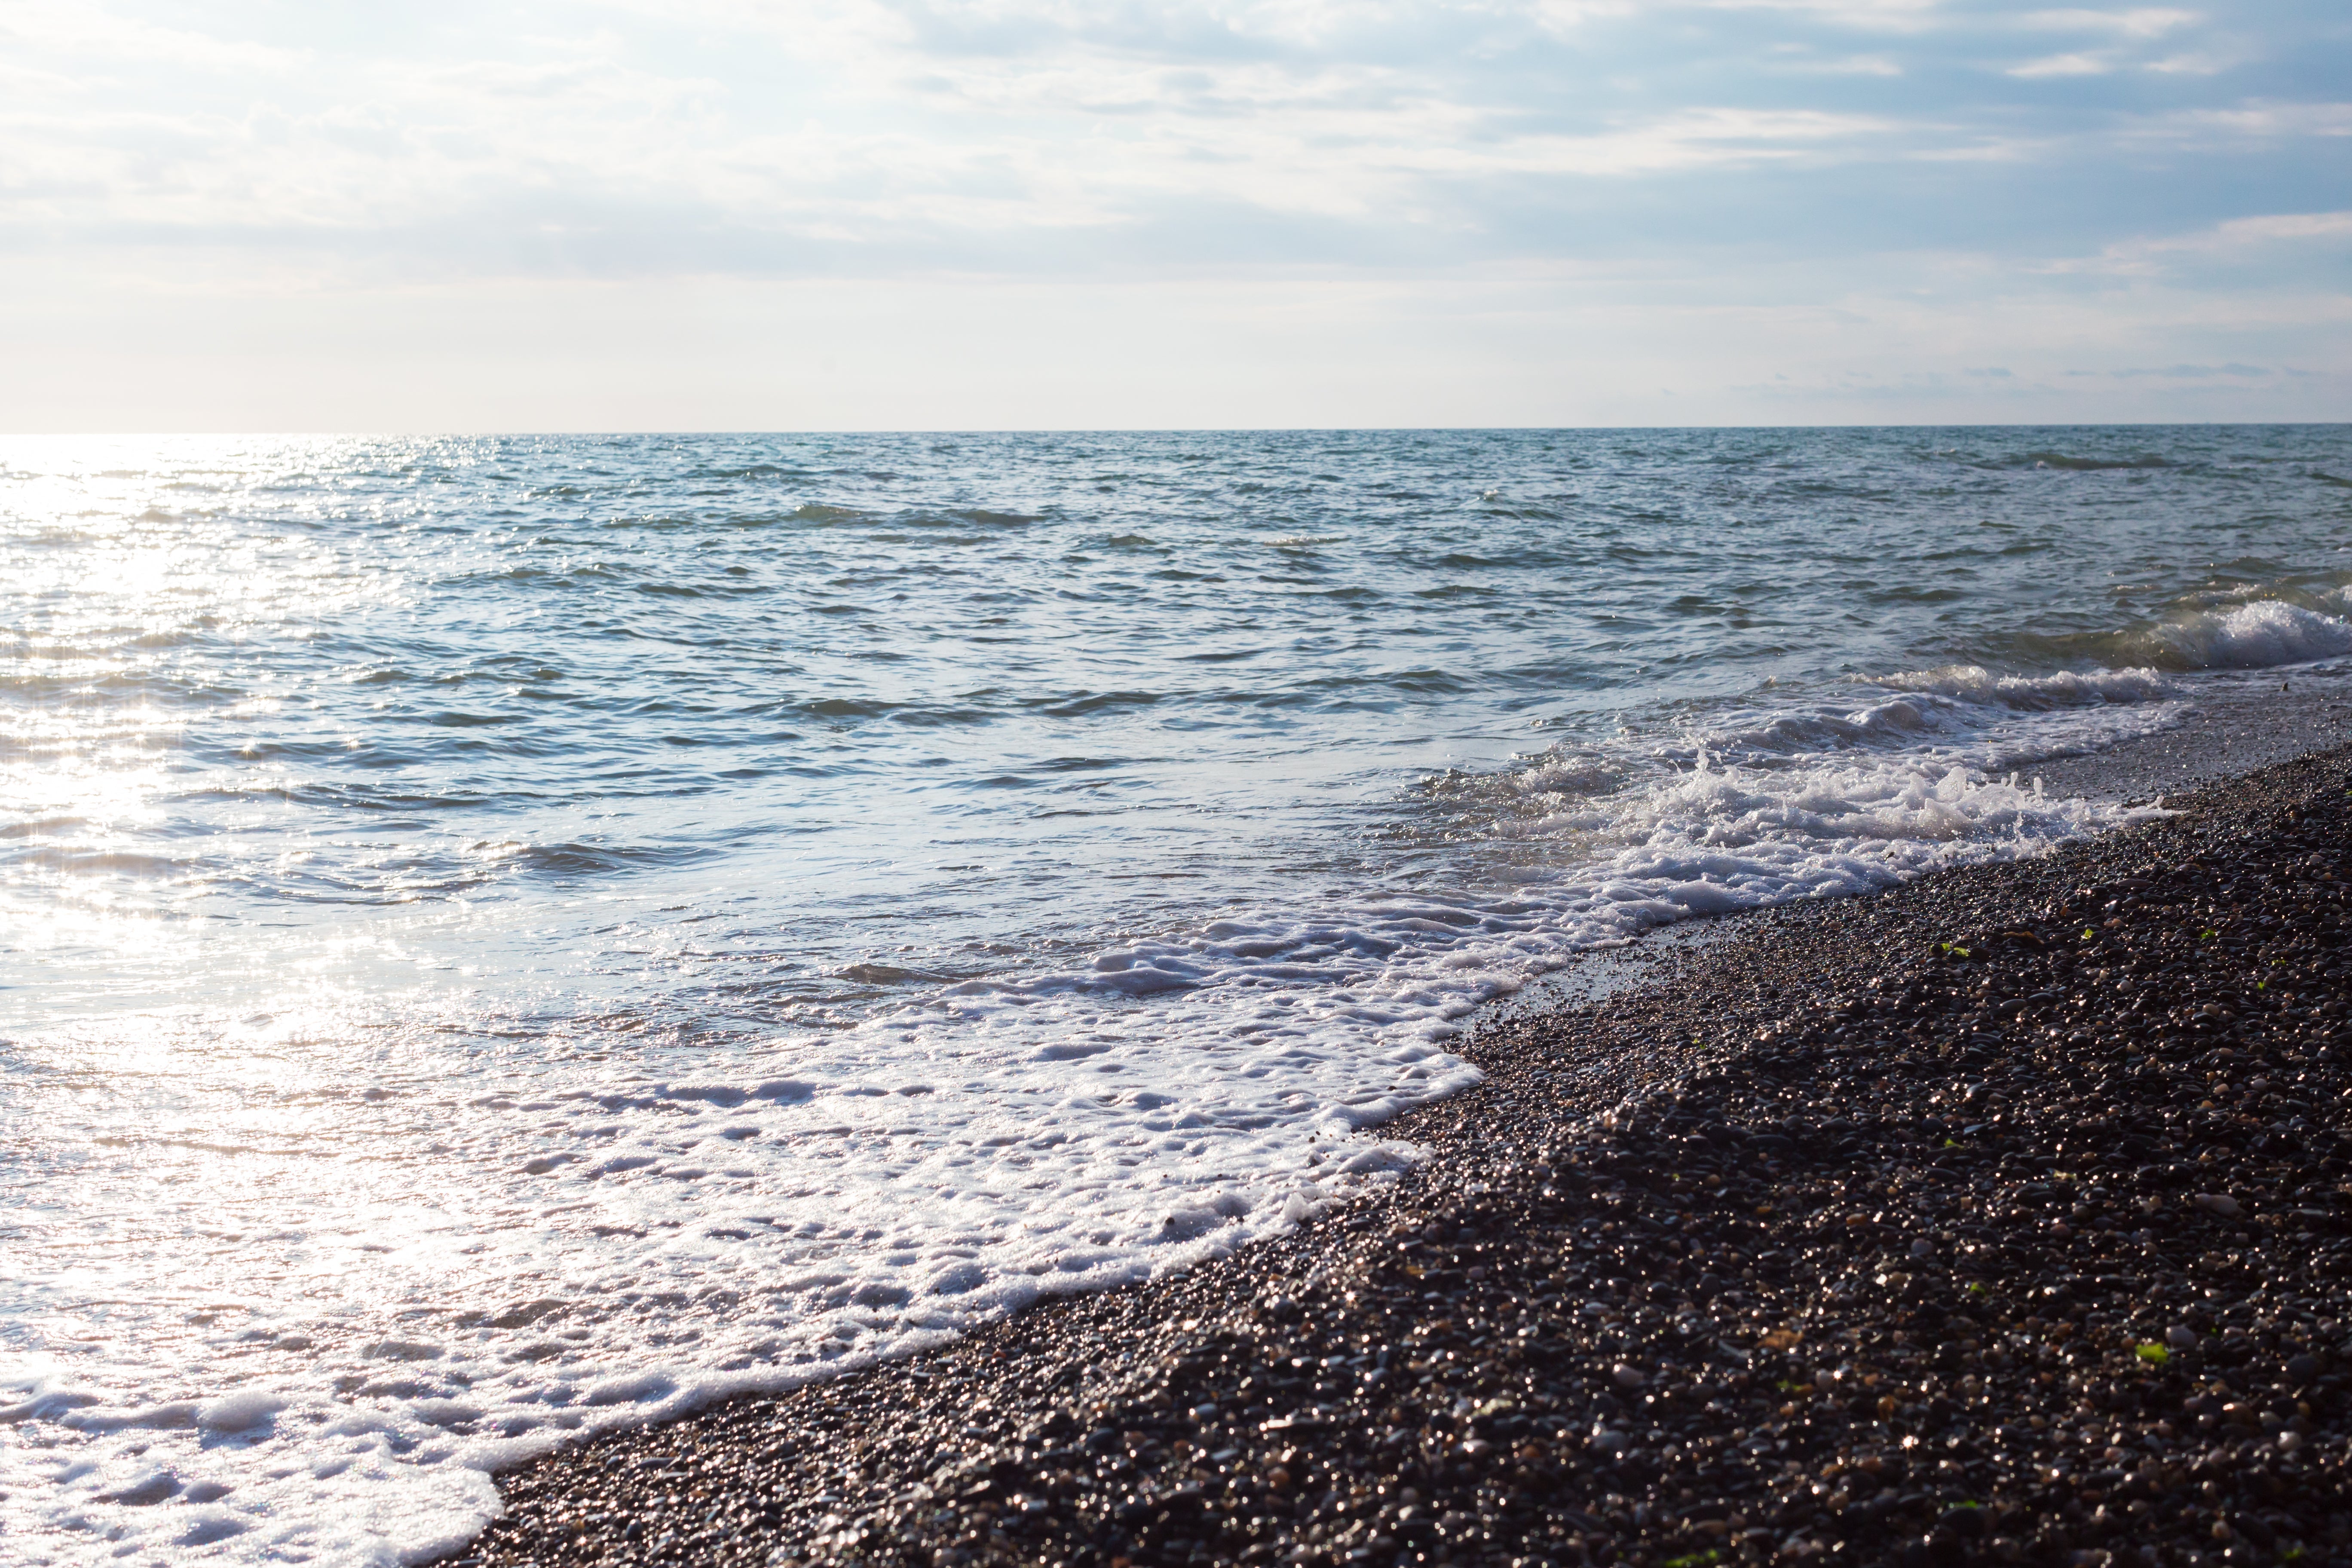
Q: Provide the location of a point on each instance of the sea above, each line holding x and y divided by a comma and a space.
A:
506, 938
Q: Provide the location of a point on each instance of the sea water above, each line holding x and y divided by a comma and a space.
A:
508, 938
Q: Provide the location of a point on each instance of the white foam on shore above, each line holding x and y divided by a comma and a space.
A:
381, 1288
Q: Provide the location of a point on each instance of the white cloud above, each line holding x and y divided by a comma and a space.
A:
2234, 239
2205, 62
2065, 65
2142, 22
1848, 65
29, 27
2268, 122
2280, 226
1700, 138
2130, 30
1861, 16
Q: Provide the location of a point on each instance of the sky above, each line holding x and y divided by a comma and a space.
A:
660, 215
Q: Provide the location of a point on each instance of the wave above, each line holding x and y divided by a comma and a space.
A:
578, 860
2262, 635
2257, 629
2034, 693
2091, 465
1948, 711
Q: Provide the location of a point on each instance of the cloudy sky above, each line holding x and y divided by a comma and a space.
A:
733, 214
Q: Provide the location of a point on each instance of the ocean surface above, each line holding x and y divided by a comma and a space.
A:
505, 938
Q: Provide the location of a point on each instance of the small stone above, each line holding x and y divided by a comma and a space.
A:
1966, 1522
1626, 1376
2180, 1337
2290, 1440
2218, 1203
2303, 1368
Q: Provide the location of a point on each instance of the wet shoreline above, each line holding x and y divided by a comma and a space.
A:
1998, 1218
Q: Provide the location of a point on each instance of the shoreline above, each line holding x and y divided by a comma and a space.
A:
2238, 722
1879, 1269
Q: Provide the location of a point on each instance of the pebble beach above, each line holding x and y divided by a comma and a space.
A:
2001, 1218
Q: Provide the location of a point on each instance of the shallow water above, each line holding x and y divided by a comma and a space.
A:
507, 937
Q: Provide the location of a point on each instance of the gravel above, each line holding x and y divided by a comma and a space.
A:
2002, 1218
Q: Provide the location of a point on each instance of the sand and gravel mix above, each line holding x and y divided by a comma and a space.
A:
2001, 1219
